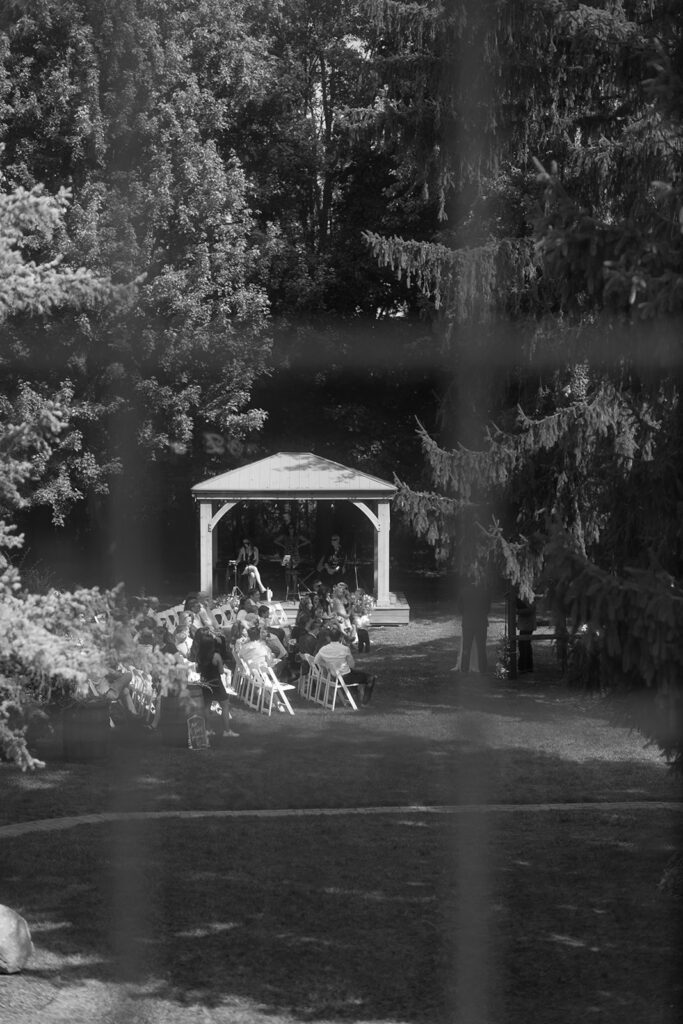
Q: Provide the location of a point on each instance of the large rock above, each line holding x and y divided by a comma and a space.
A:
15, 941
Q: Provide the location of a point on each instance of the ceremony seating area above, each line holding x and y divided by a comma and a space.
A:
262, 666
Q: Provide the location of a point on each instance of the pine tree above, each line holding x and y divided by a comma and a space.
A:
559, 455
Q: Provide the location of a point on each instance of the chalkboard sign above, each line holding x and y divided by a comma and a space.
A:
197, 737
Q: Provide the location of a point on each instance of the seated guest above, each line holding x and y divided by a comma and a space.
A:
320, 602
307, 640
305, 606
332, 565
266, 624
197, 615
239, 634
324, 632
303, 614
257, 648
336, 656
248, 559
277, 648
340, 601
179, 640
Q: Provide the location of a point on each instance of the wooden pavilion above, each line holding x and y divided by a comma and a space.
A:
302, 476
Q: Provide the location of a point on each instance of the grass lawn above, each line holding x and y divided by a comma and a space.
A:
472, 917
420, 918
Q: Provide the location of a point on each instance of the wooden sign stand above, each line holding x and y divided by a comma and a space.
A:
197, 736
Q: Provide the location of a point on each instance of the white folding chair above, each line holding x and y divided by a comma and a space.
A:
259, 688
169, 617
255, 690
269, 687
274, 690
223, 615
334, 685
309, 676
247, 683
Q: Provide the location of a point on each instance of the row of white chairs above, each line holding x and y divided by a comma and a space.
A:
257, 685
223, 615
324, 685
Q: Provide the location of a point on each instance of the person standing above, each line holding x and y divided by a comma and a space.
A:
291, 543
206, 653
475, 604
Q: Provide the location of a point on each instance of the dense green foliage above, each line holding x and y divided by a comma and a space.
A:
325, 218
129, 105
557, 284
29, 433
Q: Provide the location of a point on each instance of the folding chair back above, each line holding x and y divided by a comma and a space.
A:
248, 682
309, 676
223, 615
169, 617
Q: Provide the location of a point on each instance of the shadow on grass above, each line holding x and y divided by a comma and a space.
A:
431, 736
360, 920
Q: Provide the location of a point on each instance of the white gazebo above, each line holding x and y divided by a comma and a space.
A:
291, 476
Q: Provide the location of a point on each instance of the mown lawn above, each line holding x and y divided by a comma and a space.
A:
415, 918
474, 916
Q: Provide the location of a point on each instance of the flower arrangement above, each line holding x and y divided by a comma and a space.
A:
362, 606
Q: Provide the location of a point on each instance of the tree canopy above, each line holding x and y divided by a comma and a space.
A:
129, 106
558, 461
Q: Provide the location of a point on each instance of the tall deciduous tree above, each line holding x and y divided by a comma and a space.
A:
129, 104
347, 374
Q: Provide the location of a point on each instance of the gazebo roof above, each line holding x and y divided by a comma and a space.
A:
289, 475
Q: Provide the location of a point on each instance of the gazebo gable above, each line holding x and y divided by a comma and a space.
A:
293, 475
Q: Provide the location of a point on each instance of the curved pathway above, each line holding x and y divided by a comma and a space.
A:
62, 824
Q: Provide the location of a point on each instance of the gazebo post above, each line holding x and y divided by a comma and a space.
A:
382, 553
207, 544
